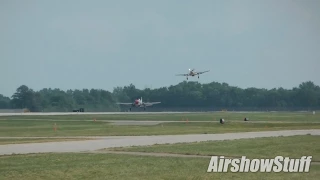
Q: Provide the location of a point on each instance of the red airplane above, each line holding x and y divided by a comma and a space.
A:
139, 103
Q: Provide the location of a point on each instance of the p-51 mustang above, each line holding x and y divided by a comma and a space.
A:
192, 73
139, 103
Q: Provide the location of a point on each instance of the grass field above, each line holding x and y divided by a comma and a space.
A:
269, 147
37, 140
115, 166
83, 125
111, 166
234, 116
99, 128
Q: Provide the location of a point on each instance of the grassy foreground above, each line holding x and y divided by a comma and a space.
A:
268, 147
37, 140
18, 128
110, 166
207, 116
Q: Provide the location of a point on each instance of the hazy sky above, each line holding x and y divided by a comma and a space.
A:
70, 44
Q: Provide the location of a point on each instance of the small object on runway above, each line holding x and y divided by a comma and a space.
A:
246, 119
221, 121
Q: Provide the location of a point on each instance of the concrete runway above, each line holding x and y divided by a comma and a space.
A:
113, 113
124, 141
152, 123
156, 122
85, 113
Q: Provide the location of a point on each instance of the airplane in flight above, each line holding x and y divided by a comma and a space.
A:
139, 103
192, 73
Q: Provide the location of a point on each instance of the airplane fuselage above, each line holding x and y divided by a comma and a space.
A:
191, 73
137, 103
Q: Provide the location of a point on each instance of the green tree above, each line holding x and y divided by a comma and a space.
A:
182, 95
4, 102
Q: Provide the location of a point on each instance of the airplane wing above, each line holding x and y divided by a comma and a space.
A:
151, 103
124, 103
202, 72
182, 74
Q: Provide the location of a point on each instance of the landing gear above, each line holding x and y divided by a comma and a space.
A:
187, 77
144, 108
198, 77
130, 109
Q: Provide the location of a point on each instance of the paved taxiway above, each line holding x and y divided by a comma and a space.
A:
113, 113
156, 122
124, 141
85, 113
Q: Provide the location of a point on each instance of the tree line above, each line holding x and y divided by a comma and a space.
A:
182, 96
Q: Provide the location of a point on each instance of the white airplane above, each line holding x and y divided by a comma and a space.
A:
139, 103
192, 73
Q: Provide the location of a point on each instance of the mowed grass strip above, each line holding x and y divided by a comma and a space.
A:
268, 147
207, 116
78, 166
4, 141
18, 128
